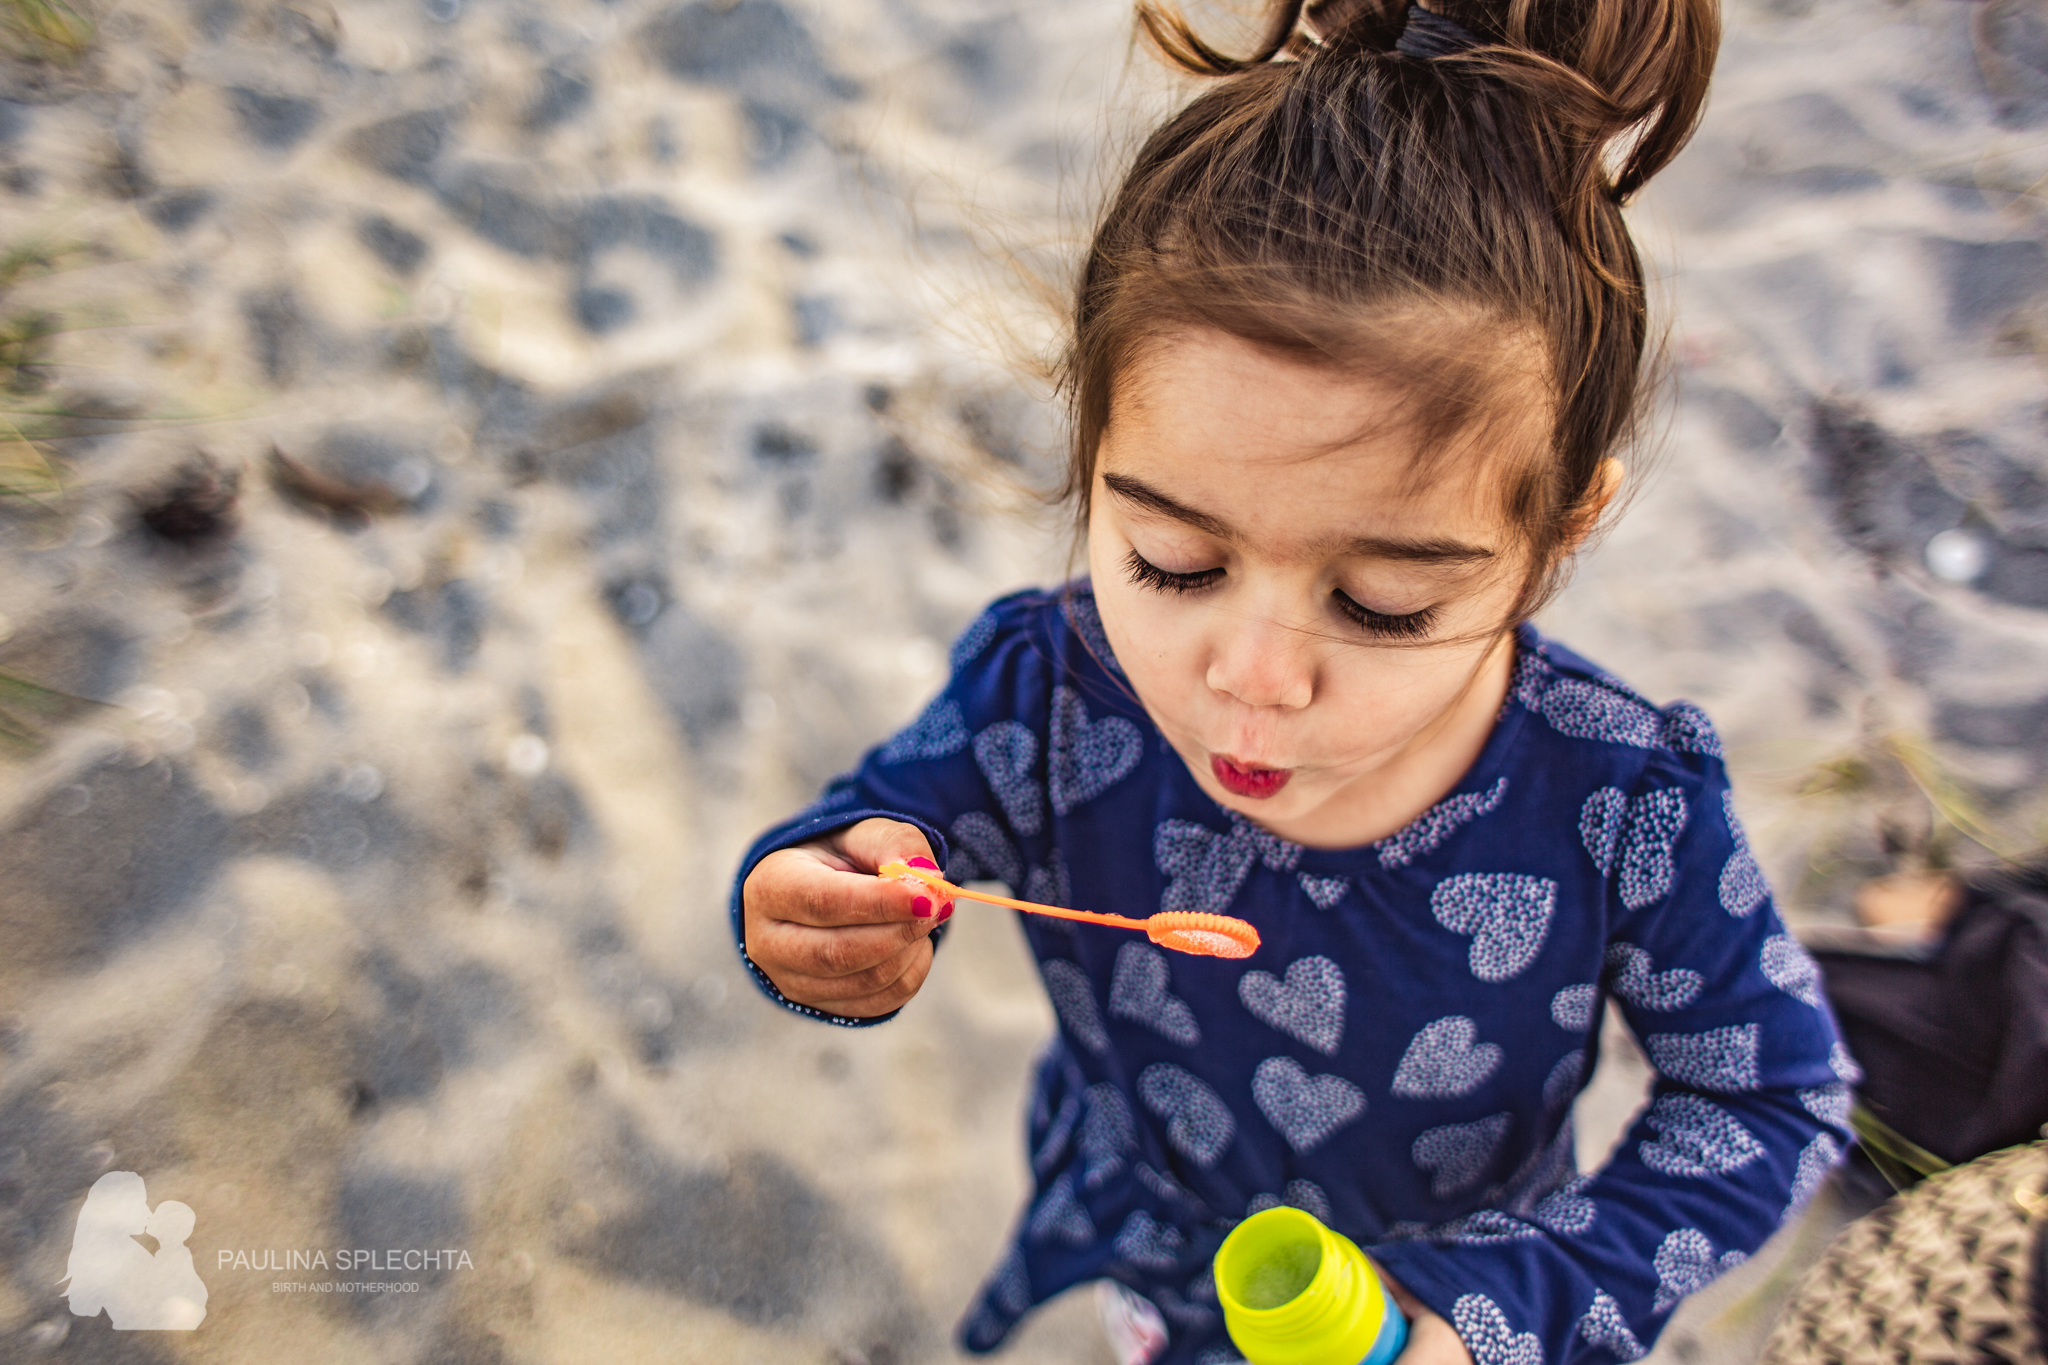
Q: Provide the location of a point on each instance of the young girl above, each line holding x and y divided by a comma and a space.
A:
1355, 344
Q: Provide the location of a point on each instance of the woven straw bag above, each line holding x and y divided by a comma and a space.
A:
1953, 1270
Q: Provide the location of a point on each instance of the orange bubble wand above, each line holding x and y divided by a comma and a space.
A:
1184, 931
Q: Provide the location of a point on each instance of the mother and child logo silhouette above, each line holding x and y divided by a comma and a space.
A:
109, 1268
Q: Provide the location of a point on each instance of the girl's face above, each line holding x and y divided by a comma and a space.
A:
1317, 632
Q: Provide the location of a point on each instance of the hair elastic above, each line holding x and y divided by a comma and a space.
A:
1429, 34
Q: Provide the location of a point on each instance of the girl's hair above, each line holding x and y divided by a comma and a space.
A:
1445, 213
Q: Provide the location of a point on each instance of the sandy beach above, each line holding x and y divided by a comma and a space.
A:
468, 465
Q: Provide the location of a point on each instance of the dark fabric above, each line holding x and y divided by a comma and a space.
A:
1955, 1049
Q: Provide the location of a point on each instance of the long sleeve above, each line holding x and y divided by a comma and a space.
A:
959, 772
1748, 1113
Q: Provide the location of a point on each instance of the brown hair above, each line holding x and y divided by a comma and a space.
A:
1330, 191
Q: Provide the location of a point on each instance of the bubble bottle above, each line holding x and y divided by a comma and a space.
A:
1296, 1293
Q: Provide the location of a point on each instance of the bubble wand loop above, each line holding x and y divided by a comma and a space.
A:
1185, 931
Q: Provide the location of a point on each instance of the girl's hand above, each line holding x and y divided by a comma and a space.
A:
832, 935
1431, 1340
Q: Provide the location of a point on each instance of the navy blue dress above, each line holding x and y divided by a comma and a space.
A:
1400, 1056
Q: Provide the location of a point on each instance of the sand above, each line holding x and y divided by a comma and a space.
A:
654, 389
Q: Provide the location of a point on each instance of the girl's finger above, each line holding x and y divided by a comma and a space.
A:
792, 885
871, 843
831, 954
881, 988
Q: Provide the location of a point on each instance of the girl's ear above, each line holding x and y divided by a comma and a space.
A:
1607, 481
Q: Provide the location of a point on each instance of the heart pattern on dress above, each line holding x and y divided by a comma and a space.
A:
1588, 710
1572, 1008
1815, 1161
1828, 1103
1169, 1190
981, 850
1005, 1297
1060, 1216
939, 733
1629, 976
1788, 966
1011, 1284
1302, 1108
1722, 1059
1204, 869
1533, 676
1049, 885
1605, 1327
1052, 1132
1323, 892
1275, 852
1445, 1060
1687, 729
1648, 864
972, 640
1563, 1083
1566, 1210
1743, 887
1547, 1167
1138, 992
1843, 1065
1437, 824
1087, 757
1308, 1004
1696, 1137
1305, 1195
1506, 914
1073, 999
1489, 1336
1198, 1122
1107, 1134
1144, 1240
1600, 825
1005, 753
1487, 1227
1086, 620
1685, 1264
1457, 1154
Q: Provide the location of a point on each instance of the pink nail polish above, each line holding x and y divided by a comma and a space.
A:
925, 863
921, 907
945, 912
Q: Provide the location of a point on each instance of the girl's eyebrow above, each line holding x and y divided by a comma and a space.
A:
1439, 551
1152, 500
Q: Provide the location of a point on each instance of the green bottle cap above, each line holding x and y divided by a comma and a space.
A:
1296, 1293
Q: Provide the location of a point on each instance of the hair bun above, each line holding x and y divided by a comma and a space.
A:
1647, 61
1601, 70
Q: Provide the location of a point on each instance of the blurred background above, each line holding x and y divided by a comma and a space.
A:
467, 465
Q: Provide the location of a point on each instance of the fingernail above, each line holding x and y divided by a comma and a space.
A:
925, 863
945, 912
921, 907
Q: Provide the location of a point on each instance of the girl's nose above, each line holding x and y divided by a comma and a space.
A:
1261, 662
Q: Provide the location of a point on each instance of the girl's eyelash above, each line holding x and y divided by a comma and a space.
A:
1412, 626
1149, 575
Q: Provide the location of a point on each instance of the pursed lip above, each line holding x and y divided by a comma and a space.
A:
1248, 779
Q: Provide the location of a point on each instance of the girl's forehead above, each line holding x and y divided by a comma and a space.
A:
1276, 446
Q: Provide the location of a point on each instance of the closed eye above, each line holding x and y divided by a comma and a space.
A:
1149, 575
1410, 626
